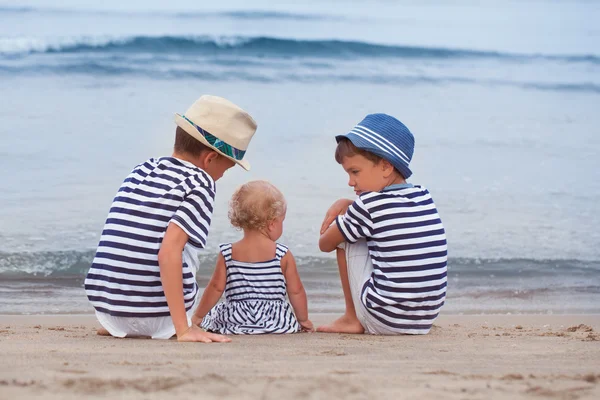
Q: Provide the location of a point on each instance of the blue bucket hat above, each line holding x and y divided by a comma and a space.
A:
385, 136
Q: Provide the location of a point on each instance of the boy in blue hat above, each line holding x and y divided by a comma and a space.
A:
390, 241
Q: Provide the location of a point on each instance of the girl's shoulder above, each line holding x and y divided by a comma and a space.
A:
281, 246
281, 250
225, 249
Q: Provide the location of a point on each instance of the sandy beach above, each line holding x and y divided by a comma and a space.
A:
464, 357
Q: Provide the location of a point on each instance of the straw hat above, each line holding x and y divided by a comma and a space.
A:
220, 125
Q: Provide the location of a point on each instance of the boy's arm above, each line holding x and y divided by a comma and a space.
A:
337, 208
331, 236
171, 266
213, 292
353, 225
331, 239
295, 291
169, 260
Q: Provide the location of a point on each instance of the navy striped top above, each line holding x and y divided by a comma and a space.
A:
255, 281
255, 298
124, 279
407, 245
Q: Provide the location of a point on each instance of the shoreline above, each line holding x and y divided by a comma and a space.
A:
464, 357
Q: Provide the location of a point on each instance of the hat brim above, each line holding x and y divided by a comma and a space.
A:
192, 131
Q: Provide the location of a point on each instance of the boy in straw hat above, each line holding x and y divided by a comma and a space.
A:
393, 262
142, 279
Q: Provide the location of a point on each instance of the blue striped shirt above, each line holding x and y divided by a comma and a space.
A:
407, 245
124, 279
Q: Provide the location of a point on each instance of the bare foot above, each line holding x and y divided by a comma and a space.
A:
344, 324
102, 332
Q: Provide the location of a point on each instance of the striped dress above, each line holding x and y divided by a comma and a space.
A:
407, 245
124, 279
255, 298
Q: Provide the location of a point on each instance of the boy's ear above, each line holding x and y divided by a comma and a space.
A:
386, 167
212, 156
207, 157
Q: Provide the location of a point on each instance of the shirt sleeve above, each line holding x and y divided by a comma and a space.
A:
194, 215
356, 223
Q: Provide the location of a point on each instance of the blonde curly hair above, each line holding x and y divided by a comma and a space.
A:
255, 204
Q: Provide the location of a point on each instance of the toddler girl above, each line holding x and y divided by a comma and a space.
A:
256, 272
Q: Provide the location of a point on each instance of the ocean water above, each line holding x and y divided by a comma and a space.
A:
502, 97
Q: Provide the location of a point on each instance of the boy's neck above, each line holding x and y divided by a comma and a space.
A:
188, 158
396, 179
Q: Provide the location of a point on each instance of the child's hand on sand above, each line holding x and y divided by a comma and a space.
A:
307, 326
195, 334
337, 208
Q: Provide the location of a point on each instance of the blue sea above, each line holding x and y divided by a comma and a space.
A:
503, 98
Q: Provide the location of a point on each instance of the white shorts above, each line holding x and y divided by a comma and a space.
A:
360, 268
154, 327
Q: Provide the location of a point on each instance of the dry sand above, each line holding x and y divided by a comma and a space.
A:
464, 357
